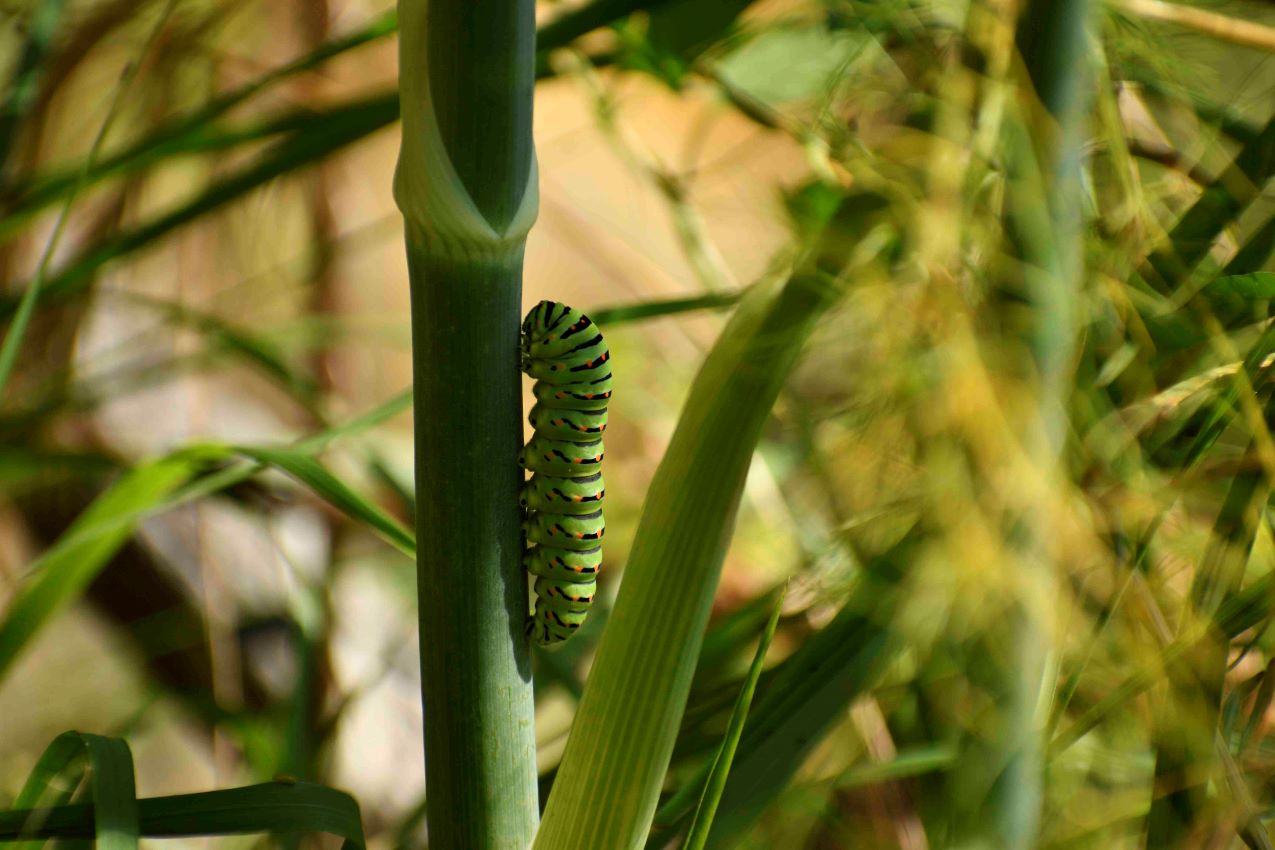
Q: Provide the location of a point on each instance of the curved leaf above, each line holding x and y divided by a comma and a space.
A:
115, 821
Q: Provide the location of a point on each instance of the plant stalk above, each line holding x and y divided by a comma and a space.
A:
467, 187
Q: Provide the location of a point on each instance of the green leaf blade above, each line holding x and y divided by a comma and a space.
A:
716, 784
335, 492
62, 573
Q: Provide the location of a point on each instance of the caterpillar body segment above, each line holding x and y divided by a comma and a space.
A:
540, 323
561, 458
577, 367
573, 566
564, 531
578, 396
552, 329
554, 336
566, 355
556, 423
563, 495
561, 596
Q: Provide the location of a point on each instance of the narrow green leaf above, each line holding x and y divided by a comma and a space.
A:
582, 20
329, 132
802, 697
1210, 422
642, 310
54, 763
1233, 298
197, 132
1185, 723
64, 570
274, 807
256, 349
1255, 253
112, 789
906, 764
191, 133
381, 413
114, 793
685, 28
697, 838
26, 305
1207, 110
1239, 613
19, 464
1051, 37
62, 573
320, 135
334, 491
1261, 704
735, 630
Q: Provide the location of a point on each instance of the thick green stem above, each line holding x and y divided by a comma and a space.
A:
466, 186
482, 53
475, 671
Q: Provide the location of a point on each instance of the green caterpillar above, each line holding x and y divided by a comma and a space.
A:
568, 358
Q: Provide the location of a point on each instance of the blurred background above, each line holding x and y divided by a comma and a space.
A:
225, 263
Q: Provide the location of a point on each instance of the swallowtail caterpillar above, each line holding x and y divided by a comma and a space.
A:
565, 354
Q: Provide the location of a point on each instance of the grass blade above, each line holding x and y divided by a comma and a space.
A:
112, 789
323, 134
62, 573
273, 807
643, 310
329, 132
114, 793
335, 492
26, 306
566, 28
802, 697
1252, 285
188, 133
697, 839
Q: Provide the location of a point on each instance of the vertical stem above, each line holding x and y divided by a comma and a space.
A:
1043, 226
475, 666
466, 186
997, 787
482, 71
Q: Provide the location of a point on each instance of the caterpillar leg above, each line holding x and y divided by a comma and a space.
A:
547, 626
